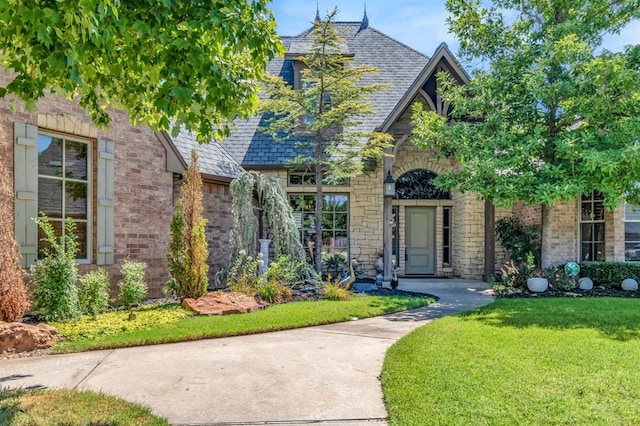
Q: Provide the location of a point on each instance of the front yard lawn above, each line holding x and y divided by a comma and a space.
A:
520, 361
170, 323
70, 408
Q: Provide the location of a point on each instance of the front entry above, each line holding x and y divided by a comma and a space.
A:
420, 239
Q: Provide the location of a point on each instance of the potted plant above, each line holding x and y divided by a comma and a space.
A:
536, 282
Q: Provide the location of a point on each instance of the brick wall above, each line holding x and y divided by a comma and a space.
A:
216, 208
142, 186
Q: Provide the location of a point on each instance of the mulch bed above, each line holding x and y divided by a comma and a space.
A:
596, 292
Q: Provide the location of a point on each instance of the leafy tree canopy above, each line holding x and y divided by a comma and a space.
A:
325, 114
170, 62
554, 116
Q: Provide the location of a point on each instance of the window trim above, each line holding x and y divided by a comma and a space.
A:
346, 182
91, 216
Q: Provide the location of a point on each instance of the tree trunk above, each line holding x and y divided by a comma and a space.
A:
319, 201
489, 240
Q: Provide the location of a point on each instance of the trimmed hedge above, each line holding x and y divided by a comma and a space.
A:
610, 274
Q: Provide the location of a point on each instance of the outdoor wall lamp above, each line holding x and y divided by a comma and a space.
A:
389, 186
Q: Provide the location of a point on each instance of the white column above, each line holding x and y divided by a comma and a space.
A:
264, 250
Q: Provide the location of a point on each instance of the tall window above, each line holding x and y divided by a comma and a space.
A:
632, 232
446, 236
592, 247
63, 186
335, 222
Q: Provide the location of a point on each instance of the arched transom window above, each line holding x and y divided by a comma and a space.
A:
417, 185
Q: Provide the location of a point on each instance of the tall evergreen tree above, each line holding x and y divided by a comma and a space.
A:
325, 114
187, 257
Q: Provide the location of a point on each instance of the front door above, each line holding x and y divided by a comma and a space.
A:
420, 240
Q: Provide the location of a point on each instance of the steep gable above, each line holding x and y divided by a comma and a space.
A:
398, 65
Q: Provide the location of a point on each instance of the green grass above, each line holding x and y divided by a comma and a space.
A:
70, 408
276, 317
520, 362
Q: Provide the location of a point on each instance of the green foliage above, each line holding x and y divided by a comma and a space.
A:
93, 294
519, 240
54, 277
272, 291
116, 322
274, 206
168, 64
243, 273
512, 277
331, 103
333, 290
288, 270
133, 288
610, 274
333, 264
553, 117
188, 252
559, 279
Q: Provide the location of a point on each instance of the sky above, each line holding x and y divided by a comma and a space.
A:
420, 24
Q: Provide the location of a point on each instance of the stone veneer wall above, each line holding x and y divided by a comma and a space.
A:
143, 187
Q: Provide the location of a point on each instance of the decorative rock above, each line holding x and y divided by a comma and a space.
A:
223, 303
16, 337
585, 283
630, 284
364, 287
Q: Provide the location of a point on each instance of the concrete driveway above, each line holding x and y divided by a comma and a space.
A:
317, 375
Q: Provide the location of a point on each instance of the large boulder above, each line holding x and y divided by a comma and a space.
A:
223, 303
16, 337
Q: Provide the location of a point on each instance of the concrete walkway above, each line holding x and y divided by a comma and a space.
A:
317, 375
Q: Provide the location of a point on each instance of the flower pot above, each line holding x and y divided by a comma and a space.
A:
537, 285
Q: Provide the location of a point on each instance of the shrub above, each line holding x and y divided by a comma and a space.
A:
188, 251
512, 277
333, 290
559, 279
519, 240
610, 274
14, 301
273, 291
133, 288
287, 270
55, 276
93, 294
243, 273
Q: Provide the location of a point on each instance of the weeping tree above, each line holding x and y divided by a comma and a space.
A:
256, 195
188, 252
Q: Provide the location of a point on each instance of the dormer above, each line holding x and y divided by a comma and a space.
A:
299, 48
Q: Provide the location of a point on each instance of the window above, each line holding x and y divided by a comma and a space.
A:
446, 236
592, 247
395, 238
64, 184
309, 179
335, 222
55, 173
632, 233
417, 185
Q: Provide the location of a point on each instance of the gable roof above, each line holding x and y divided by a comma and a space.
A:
441, 54
214, 161
397, 64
